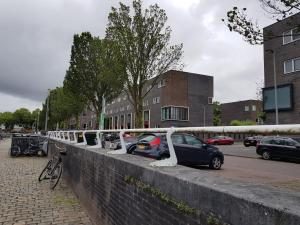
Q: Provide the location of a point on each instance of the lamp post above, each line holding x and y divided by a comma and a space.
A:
273, 52
47, 111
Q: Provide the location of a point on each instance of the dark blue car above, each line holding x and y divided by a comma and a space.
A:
190, 150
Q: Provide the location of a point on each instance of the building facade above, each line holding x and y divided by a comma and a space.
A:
178, 99
241, 110
283, 54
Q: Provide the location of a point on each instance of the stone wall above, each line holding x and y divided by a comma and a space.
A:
124, 189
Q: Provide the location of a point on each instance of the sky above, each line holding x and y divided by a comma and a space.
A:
36, 39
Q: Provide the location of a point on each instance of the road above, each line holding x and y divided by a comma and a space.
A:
238, 149
243, 164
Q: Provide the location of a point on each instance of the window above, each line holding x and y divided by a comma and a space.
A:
119, 99
122, 109
161, 83
291, 35
253, 108
174, 113
284, 98
177, 139
145, 103
146, 118
246, 108
193, 141
128, 107
156, 100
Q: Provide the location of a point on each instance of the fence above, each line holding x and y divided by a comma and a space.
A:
72, 136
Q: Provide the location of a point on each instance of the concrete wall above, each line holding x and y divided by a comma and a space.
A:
124, 189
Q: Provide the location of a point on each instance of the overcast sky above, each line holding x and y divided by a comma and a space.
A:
36, 37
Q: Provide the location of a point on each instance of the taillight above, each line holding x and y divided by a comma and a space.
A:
156, 141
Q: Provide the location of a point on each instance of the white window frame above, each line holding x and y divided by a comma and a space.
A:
253, 108
247, 108
161, 83
291, 31
293, 65
175, 106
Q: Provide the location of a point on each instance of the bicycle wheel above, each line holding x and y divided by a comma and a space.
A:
55, 175
45, 171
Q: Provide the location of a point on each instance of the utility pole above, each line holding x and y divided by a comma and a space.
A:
38, 120
47, 111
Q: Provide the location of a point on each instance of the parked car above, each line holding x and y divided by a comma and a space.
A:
252, 141
220, 140
113, 142
190, 150
278, 147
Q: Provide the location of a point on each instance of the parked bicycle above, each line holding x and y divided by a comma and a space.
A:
53, 169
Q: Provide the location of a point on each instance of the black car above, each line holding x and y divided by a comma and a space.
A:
189, 150
252, 141
278, 147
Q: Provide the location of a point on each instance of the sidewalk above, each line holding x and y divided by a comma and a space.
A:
25, 201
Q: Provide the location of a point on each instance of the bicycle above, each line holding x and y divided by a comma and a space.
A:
53, 169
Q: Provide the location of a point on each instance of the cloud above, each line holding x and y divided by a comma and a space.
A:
36, 37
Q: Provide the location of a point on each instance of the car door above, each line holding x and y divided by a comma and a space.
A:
195, 151
277, 147
292, 149
180, 149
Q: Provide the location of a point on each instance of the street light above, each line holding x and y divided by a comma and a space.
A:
273, 52
47, 111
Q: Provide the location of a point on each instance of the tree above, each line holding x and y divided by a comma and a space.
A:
7, 118
237, 20
143, 47
216, 113
62, 106
23, 117
242, 123
94, 71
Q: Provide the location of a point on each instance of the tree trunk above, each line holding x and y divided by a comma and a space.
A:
139, 114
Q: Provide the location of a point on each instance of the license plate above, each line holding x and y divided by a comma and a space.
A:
141, 146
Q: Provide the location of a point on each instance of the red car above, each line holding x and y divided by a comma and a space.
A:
220, 140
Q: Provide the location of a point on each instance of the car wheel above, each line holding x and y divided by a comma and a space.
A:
130, 151
246, 145
266, 155
215, 163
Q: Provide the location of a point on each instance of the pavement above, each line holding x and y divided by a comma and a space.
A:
25, 201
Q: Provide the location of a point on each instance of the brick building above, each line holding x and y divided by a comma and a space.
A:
178, 99
241, 110
284, 50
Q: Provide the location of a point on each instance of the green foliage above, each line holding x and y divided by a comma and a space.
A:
242, 123
142, 41
237, 20
213, 220
181, 206
94, 71
63, 105
216, 113
7, 118
23, 117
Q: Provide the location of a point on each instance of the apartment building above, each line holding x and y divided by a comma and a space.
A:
283, 54
240, 110
178, 99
